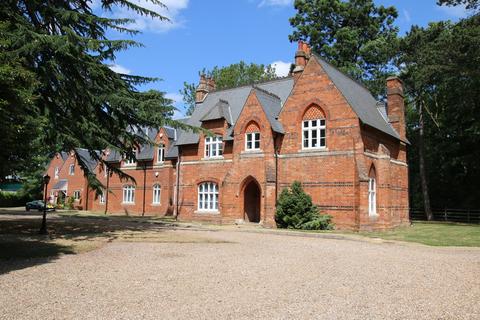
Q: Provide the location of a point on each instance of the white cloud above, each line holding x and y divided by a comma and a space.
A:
407, 15
120, 69
275, 3
282, 68
454, 11
172, 12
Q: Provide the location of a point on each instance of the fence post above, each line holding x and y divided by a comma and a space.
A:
445, 214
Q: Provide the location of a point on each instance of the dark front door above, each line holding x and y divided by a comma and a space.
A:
252, 202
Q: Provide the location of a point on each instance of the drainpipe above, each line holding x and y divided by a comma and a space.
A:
177, 188
106, 191
86, 198
275, 148
144, 186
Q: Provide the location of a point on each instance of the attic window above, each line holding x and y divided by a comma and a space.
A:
131, 161
213, 147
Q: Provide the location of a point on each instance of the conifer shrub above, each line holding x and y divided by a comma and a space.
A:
295, 210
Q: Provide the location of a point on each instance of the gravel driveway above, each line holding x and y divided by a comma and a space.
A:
251, 276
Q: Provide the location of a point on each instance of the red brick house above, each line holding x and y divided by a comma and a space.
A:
317, 126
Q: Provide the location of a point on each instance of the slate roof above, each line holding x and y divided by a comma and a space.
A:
236, 98
359, 98
89, 161
62, 184
221, 110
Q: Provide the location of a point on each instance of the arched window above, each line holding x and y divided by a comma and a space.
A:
161, 153
129, 194
372, 193
156, 194
252, 137
208, 196
314, 128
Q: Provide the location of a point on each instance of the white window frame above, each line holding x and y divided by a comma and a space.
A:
213, 147
157, 194
130, 162
372, 197
251, 139
56, 171
71, 170
161, 153
208, 194
128, 192
101, 199
311, 128
76, 195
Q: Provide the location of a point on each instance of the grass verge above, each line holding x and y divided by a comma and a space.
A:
433, 234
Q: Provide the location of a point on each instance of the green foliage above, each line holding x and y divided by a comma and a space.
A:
469, 4
57, 86
440, 71
357, 36
69, 203
295, 210
13, 199
234, 75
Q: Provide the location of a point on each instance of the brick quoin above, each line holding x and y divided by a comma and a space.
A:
249, 181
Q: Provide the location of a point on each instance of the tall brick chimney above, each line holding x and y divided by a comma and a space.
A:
301, 58
202, 89
211, 86
396, 105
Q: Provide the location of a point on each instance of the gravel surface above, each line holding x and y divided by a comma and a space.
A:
252, 276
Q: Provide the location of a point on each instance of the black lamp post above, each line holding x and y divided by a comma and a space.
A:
43, 228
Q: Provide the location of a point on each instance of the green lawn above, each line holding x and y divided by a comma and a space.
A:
434, 234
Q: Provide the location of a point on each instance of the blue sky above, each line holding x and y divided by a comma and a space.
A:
205, 33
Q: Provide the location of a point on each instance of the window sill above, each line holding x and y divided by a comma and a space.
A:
207, 212
212, 158
314, 149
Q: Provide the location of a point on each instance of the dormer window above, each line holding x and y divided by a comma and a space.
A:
130, 161
213, 147
161, 153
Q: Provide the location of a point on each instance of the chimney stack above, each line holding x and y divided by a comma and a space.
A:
211, 86
301, 58
202, 90
396, 106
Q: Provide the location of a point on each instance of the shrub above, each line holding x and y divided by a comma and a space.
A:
13, 199
295, 210
69, 203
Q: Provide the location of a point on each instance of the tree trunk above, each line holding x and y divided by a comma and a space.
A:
423, 171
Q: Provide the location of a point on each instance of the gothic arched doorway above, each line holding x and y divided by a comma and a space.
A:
251, 201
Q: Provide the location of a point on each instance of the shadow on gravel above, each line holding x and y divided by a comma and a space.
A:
21, 246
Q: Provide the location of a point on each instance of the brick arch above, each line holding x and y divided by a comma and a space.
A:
372, 173
252, 126
312, 112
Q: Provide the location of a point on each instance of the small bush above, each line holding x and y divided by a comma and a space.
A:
13, 199
295, 210
69, 203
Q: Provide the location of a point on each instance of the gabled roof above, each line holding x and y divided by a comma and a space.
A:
271, 105
359, 98
236, 98
221, 110
87, 158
